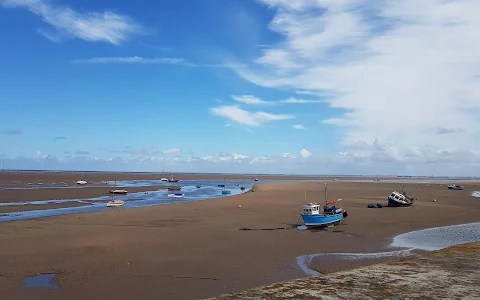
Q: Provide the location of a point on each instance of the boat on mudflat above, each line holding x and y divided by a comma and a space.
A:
176, 195
118, 192
455, 187
398, 199
314, 216
115, 203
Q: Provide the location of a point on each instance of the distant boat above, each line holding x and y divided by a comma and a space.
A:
81, 182
115, 203
118, 192
176, 195
455, 187
256, 179
198, 185
173, 180
164, 179
115, 191
224, 191
242, 188
398, 199
173, 187
331, 215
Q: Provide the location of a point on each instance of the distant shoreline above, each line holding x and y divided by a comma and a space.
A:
242, 174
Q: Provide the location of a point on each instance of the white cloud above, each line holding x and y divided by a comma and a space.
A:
298, 126
405, 72
250, 99
305, 153
133, 60
172, 151
240, 116
303, 101
90, 26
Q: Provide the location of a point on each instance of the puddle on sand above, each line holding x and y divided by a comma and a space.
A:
302, 227
40, 281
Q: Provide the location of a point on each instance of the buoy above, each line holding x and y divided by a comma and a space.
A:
434, 200
239, 206
371, 205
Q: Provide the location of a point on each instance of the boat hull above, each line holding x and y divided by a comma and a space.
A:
398, 204
176, 195
321, 220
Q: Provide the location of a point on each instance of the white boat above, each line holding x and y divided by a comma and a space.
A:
176, 195
164, 179
81, 182
399, 199
115, 203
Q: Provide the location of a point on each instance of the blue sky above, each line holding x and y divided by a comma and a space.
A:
241, 86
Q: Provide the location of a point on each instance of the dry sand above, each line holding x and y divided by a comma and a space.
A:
196, 250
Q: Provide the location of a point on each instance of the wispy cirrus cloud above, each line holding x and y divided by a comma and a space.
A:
172, 151
244, 117
133, 60
60, 138
374, 58
303, 101
66, 23
251, 100
11, 132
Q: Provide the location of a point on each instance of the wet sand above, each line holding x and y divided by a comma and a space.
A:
23, 195
196, 250
30, 207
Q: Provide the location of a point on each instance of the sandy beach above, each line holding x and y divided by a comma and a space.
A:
195, 250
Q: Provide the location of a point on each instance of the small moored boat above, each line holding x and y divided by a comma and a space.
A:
81, 182
226, 192
115, 203
176, 195
398, 199
313, 216
118, 192
455, 187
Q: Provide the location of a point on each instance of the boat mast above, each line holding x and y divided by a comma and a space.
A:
326, 194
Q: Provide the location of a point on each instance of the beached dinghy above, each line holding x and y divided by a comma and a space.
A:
81, 182
313, 216
176, 195
398, 199
115, 203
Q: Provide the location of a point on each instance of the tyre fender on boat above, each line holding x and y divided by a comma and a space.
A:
345, 214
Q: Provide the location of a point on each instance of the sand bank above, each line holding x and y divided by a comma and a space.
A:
452, 273
196, 250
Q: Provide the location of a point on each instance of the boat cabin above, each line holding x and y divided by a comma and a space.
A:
397, 196
314, 209
311, 208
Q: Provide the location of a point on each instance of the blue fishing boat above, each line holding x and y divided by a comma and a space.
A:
314, 216
226, 192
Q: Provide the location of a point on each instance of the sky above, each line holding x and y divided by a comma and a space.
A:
354, 87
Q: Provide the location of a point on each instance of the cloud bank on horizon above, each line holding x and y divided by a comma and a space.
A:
347, 86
